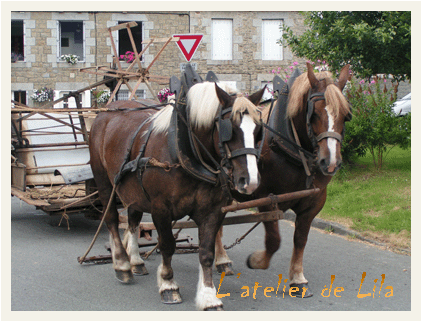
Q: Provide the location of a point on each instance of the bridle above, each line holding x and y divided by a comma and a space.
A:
224, 127
312, 98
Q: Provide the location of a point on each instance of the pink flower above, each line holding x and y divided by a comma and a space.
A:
273, 71
295, 63
362, 81
373, 82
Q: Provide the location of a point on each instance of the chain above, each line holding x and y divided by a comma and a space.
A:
238, 240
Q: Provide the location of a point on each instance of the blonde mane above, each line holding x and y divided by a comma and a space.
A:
336, 102
203, 105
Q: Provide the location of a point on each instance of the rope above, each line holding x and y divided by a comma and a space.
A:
82, 259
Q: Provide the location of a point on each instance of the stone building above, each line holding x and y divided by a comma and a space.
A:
240, 47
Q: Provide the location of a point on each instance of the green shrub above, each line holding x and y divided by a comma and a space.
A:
374, 126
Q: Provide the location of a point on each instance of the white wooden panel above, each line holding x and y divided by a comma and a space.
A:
271, 33
221, 39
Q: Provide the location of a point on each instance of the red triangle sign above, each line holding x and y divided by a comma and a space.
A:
188, 44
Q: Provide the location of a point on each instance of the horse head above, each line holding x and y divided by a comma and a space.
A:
239, 131
326, 112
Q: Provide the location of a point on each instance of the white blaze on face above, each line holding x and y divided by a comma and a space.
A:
331, 143
248, 126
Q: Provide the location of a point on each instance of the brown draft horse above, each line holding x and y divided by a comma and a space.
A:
279, 175
168, 192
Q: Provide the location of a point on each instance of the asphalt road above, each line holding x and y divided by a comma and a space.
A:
45, 274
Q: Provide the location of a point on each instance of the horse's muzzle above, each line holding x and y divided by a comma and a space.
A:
246, 186
329, 168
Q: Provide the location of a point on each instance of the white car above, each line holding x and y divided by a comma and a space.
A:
402, 106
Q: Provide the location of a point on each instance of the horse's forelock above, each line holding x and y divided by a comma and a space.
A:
243, 105
335, 100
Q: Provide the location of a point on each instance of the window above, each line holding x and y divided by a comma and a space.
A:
124, 43
20, 96
271, 33
123, 95
17, 41
221, 39
71, 39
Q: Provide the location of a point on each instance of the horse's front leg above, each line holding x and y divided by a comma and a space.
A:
131, 244
222, 261
260, 259
302, 228
168, 288
206, 298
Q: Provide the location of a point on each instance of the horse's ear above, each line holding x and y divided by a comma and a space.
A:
257, 97
224, 98
311, 77
343, 77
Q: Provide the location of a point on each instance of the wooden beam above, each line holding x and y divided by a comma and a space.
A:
158, 40
123, 25
33, 202
231, 220
159, 53
271, 200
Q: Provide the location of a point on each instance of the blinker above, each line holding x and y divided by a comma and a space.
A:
225, 130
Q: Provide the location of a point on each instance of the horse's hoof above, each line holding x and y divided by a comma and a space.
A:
139, 270
225, 267
125, 277
215, 308
303, 290
171, 297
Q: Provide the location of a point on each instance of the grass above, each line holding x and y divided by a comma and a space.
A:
375, 203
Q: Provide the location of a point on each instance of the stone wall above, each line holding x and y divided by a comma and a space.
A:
42, 67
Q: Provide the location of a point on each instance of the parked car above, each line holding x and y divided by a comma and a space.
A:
402, 106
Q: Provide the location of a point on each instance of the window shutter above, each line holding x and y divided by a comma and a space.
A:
221, 39
271, 33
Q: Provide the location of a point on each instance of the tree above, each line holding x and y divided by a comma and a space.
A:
373, 42
374, 127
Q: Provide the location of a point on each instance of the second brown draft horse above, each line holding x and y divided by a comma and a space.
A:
318, 111
157, 184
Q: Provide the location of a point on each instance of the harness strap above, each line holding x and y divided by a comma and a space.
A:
329, 134
303, 159
244, 151
124, 168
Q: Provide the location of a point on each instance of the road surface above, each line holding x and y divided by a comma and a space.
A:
45, 274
